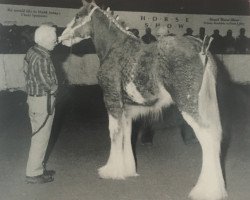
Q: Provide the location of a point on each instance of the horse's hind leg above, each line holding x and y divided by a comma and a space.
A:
207, 127
210, 185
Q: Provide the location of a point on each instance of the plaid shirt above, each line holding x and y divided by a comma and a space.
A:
39, 72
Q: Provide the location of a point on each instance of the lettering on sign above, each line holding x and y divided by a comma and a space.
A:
34, 13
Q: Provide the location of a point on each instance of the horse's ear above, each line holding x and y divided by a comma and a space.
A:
85, 3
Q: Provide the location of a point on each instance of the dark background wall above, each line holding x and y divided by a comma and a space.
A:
224, 7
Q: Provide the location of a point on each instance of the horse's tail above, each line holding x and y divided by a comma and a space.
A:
208, 104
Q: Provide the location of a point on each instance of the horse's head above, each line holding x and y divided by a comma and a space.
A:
80, 27
102, 26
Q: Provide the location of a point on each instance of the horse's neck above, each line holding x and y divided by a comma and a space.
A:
105, 36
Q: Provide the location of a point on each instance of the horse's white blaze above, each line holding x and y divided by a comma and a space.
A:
72, 41
133, 93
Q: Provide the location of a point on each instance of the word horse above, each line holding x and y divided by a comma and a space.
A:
138, 79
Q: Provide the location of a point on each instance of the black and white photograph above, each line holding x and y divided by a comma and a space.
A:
124, 100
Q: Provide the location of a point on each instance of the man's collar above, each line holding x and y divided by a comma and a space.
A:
42, 49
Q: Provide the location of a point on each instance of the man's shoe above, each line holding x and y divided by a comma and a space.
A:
39, 179
49, 172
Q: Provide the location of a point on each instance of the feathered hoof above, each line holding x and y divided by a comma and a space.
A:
132, 174
108, 172
208, 193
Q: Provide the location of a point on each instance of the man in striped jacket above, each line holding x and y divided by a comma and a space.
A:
41, 86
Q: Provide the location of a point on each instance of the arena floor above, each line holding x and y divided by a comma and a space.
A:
80, 145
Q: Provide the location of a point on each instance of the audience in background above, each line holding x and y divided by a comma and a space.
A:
18, 39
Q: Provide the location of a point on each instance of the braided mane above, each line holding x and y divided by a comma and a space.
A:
112, 19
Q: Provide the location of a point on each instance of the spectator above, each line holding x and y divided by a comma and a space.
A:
189, 32
202, 33
229, 42
241, 42
216, 45
148, 37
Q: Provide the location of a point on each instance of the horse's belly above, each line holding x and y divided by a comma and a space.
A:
164, 99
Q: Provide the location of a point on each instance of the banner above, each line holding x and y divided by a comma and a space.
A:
34, 16
176, 23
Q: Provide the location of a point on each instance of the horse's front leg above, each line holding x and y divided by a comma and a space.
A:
129, 160
114, 167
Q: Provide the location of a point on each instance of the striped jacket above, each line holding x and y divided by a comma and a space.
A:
39, 72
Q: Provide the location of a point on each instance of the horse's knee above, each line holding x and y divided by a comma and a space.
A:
114, 127
206, 132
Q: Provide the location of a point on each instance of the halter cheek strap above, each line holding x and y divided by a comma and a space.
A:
86, 19
69, 32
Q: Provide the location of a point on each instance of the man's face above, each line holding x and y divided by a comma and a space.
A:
51, 41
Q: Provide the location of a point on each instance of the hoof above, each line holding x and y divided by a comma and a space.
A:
206, 193
107, 172
113, 172
132, 174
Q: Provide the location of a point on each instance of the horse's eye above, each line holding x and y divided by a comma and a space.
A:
77, 16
